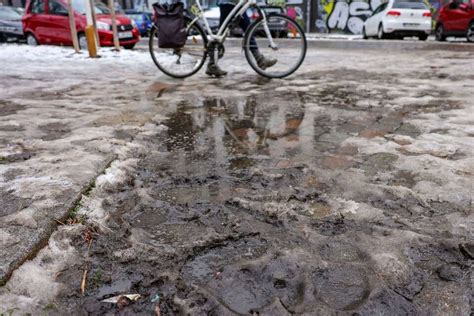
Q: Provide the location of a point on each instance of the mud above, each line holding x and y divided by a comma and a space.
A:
238, 208
344, 190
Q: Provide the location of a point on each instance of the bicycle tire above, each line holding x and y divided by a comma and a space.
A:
153, 44
252, 30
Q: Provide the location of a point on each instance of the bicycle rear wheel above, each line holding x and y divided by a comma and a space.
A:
289, 50
181, 62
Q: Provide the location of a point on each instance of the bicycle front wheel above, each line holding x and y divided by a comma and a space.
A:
288, 49
180, 62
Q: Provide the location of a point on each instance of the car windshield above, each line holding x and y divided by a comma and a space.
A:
9, 14
136, 17
407, 4
80, 7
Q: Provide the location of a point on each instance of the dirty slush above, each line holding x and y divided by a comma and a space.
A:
321, 195
235, 213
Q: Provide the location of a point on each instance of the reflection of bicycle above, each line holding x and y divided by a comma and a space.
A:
275, 35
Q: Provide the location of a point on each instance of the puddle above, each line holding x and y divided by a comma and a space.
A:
240, 210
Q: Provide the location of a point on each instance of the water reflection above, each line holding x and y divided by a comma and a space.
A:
238, 131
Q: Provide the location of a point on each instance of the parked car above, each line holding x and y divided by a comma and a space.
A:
276, 29
10, 24
143, 20
213, 15
399, 18
20, 11
46, 22
456, 19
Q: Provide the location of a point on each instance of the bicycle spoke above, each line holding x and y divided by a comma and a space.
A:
288, 49
184, 61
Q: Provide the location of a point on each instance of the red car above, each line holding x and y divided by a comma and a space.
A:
46, 22
456, 19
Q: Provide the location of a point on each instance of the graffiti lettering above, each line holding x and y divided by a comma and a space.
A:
339, 16
349, 16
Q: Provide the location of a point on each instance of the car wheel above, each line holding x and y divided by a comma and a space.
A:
82, 41
31, 40
423, 37
364, 33
380, 33
129, 46
470, 32
439, 33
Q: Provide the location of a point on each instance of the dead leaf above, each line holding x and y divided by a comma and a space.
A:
116, 299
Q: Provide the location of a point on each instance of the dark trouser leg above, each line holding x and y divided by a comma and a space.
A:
211, 52
262, 62
244, 23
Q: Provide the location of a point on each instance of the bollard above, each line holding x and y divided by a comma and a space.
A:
90, 32
91, 41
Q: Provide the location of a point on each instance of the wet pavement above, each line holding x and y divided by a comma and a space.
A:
339, 191
264, 205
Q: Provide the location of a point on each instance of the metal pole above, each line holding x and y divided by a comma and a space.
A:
308, 16
114, 24
72, 25
90, 32
94, 21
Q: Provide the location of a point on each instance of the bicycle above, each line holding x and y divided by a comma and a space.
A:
276, 36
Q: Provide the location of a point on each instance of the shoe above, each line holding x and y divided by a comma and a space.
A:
214, 70
263, 62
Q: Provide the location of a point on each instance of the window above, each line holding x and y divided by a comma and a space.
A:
407, 4
101, 8
380, 8
55, 7
136, 17
7, 13
37, 6
80, 7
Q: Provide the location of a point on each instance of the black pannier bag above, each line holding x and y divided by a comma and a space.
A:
171, 26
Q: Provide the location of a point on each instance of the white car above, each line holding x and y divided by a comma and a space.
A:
399, 18
213, 15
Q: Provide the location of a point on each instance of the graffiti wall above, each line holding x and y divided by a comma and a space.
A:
348, 16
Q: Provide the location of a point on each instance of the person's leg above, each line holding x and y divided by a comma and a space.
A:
225, 10
244, 25
212, 68
262, 62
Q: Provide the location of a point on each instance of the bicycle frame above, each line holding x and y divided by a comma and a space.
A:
239, 9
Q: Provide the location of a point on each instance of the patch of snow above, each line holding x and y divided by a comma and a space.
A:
57, 54
116, 173
39, 185
33, 285
7, 239
24, 217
